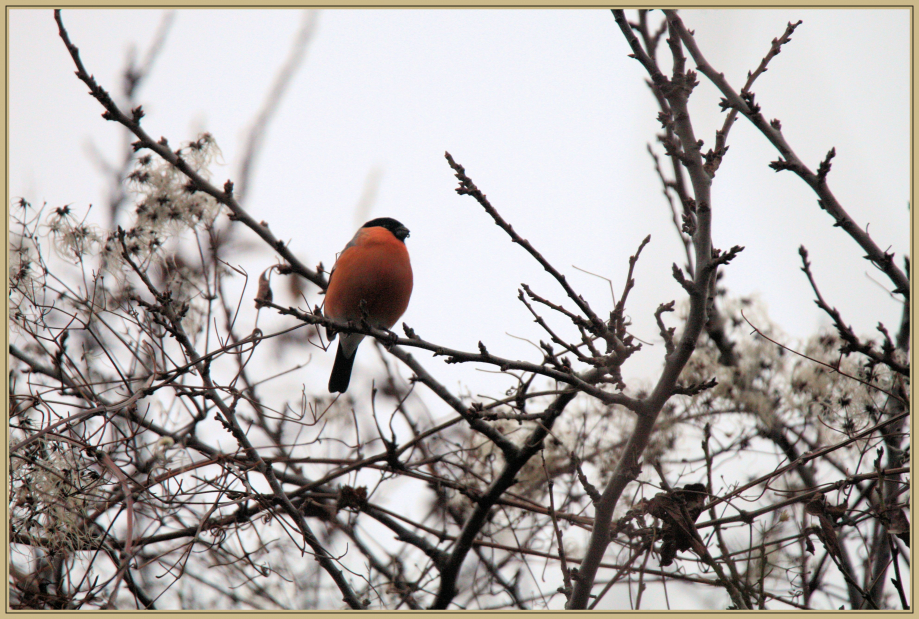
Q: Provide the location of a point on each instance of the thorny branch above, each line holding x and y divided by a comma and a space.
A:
789, 160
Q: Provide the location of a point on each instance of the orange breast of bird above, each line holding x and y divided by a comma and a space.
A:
374, 268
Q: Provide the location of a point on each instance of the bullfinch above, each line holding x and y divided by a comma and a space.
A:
373, 268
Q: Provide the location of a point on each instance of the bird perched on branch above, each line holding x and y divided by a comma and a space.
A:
373, 268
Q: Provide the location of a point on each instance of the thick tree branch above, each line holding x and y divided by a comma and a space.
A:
677, 91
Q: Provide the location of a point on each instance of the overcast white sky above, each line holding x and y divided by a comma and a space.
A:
550, 118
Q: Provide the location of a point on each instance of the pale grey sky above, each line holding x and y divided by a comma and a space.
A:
550, 118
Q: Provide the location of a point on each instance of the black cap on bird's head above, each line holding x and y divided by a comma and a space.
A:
398, 230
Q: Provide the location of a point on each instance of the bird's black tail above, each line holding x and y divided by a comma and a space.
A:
341, 371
